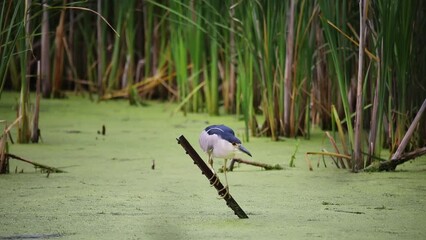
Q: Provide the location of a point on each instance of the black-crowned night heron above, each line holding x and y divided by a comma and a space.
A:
219, 141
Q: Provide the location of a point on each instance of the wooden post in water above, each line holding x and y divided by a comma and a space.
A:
212, 177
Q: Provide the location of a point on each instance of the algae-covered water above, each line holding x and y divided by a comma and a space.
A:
110, 190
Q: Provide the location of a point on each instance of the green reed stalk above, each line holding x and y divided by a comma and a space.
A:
10, 31
85, 32
288, 81
213, 79
113, 77
214, 65
130, 33
403, 53
195, 38
303, 62
24, 46
179, 51
357, 151
179, 56
148, 28
245, 91
385, 23
187, 34
331, 11
264, 24
100, 49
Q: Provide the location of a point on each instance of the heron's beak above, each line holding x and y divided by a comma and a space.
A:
244, 150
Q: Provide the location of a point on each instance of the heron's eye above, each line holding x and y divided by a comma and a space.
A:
234, 144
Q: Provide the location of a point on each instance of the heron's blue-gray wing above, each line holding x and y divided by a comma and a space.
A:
224, 132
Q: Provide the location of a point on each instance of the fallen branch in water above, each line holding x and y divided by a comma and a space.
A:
44, 167
390, 165
399, 157
257, 164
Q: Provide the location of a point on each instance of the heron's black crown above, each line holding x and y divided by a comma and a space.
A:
224, 132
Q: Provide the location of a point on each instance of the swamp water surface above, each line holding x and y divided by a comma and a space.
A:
110, 190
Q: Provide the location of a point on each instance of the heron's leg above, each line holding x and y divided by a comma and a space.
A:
211, 162
226, 178
214, 172
226, 187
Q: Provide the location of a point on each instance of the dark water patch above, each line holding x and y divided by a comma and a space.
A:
125, 159
253, 213
138, 213
313, 220
389, 195
329, 203
383, 207
73, 131
345, 211
34, 236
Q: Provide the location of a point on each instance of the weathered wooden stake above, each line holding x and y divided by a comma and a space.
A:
212, 177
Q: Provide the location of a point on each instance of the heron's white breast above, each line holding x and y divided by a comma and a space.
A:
221, 148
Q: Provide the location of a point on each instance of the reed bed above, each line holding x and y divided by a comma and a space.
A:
282, 67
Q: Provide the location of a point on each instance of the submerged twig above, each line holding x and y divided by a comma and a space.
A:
42, 166
4, 159
330, 154
333, 142
257, 164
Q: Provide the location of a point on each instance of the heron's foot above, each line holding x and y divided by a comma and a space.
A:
222, 196
224, 169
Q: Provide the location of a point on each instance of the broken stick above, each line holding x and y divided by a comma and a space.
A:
45, 167
398, 157
210, 175
257, 164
